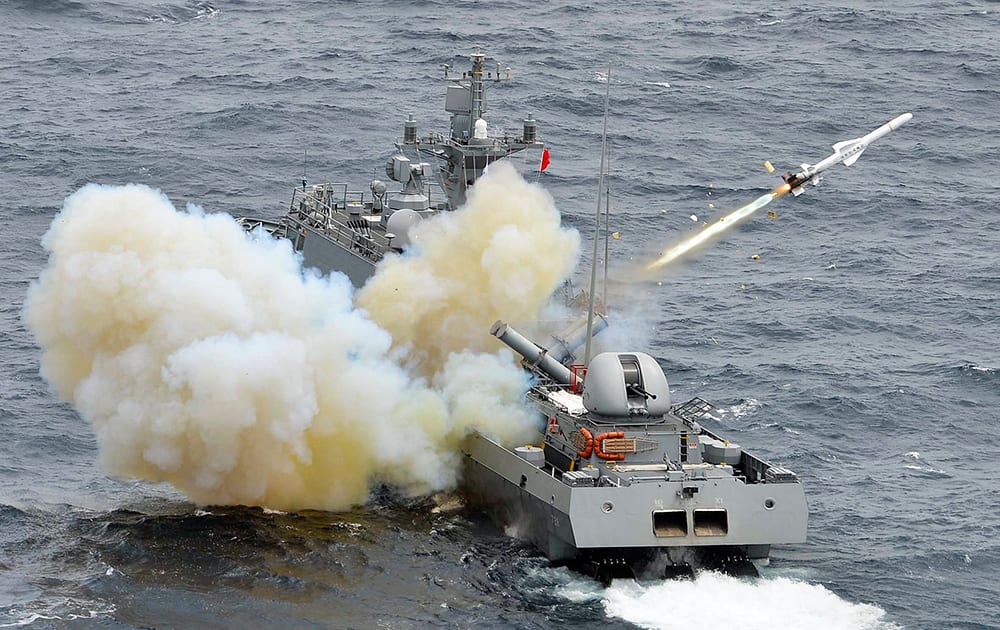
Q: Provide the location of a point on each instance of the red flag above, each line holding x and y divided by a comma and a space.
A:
545, 160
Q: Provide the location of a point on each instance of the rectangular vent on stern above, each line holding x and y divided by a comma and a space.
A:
711, 522
670, 523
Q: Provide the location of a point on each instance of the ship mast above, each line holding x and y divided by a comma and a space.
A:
597, 222
465, 153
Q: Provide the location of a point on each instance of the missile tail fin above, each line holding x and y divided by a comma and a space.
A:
844, 145
854, 158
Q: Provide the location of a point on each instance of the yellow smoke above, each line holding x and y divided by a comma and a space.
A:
501, 256
203, 357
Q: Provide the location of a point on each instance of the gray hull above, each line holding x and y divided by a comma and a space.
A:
569, 523
325, 254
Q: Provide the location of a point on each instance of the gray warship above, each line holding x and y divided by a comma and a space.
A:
620, 478
340, 228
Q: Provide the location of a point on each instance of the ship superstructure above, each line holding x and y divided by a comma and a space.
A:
337, 227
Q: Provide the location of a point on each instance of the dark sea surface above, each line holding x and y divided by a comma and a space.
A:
859, 350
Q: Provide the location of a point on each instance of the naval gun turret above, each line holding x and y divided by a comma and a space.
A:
619, 385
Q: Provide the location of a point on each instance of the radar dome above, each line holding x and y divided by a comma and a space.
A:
480, 131
400, 224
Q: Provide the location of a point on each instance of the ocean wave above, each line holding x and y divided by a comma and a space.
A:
756, 426
715, 65
978, 370
63, 7
183, 13
915, 464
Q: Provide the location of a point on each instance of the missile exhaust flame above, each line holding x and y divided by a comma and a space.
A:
717, 229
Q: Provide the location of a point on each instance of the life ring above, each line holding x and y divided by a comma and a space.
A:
589, 437
599, 441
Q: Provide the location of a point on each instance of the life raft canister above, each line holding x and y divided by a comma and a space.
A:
599, 442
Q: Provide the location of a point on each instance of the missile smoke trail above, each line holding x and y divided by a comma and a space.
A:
717, 229
204, 357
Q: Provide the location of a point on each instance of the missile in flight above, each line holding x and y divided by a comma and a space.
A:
846, 152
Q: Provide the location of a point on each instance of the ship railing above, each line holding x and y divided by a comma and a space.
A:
322, 209
371, 246
274, 228
326, 199
513, 142
754, 468
692, 410
613, 480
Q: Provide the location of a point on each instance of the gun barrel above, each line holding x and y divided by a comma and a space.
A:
640, 391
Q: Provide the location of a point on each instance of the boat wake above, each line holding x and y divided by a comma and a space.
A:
759, 603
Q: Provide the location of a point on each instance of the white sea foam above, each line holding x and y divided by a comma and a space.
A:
922, 467
749, 604
739, 410
928, 471
66, 609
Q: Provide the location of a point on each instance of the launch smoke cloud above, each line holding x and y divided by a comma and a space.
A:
205, 357
501, 256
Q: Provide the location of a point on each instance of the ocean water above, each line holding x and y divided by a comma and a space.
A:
859, 349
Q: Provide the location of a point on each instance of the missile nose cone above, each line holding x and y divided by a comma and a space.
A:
900, 120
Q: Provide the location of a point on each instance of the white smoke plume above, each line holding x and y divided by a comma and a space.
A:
204, 357
500, 257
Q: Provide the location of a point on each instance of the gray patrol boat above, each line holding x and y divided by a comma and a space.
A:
619, 480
